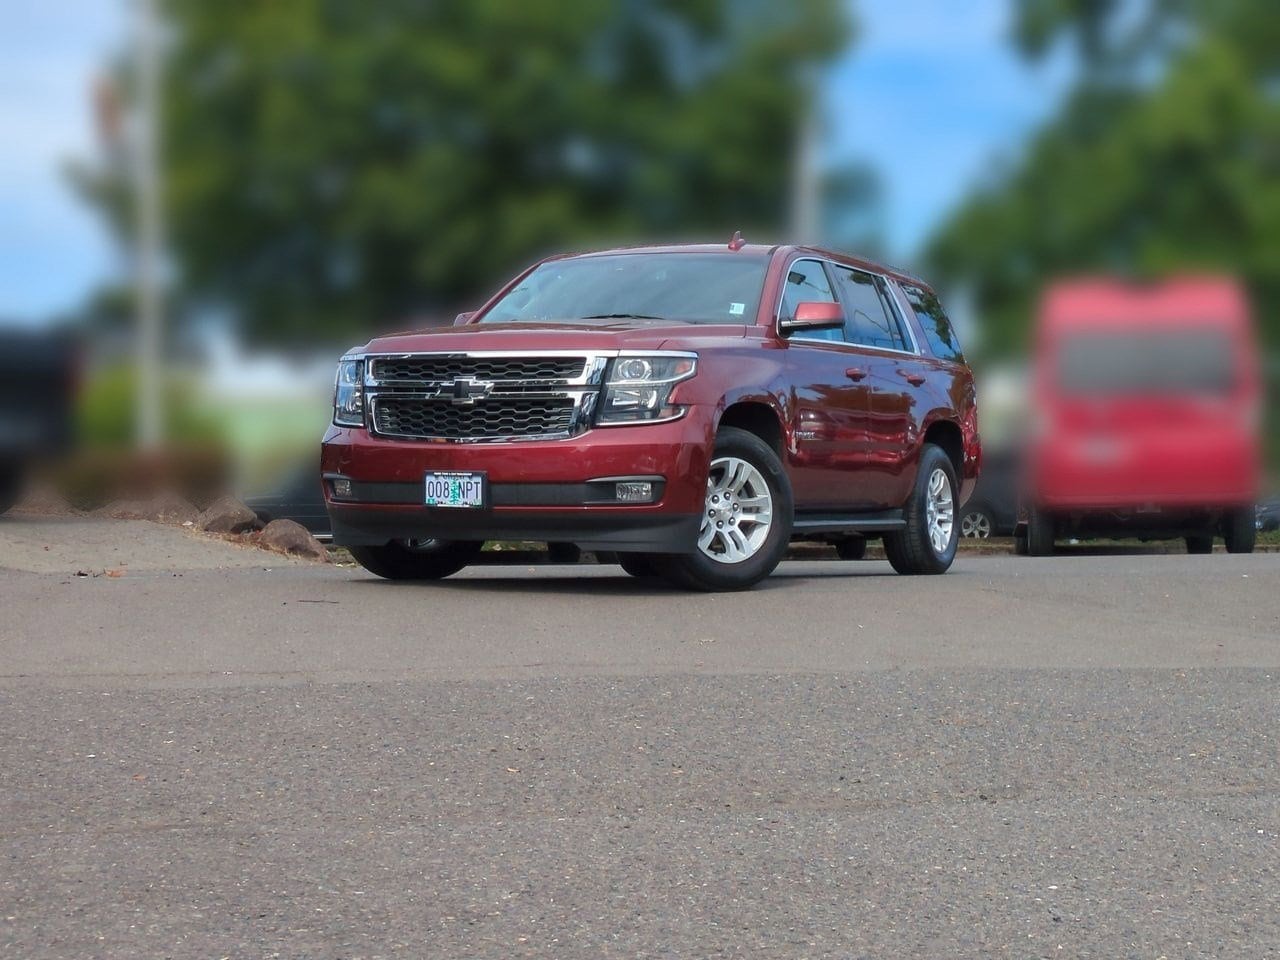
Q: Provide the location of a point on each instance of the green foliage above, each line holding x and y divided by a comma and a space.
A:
330, 165
1173, 169
105, 415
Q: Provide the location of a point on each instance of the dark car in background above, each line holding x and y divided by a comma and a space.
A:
299, 496
1267, 516
992, 511
39, 370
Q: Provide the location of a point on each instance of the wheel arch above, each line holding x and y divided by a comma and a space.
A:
947, 434
757, 416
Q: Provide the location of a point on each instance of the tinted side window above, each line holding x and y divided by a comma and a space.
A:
934, 323
872, 322
807, 283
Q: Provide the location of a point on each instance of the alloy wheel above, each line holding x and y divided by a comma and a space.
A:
975, 525
738, 512
939, 511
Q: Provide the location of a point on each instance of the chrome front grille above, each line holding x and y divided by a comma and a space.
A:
412, 371
479, 397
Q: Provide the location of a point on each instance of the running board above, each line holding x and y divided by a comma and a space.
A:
878, 521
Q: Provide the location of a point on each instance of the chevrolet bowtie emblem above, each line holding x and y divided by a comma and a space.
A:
465, 391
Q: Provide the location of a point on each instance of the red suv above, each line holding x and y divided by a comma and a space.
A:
690, 408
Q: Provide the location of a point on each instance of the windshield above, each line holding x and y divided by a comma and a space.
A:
1132, 363
682, 287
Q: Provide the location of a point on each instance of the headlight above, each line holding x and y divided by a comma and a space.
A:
348, 394
639, 388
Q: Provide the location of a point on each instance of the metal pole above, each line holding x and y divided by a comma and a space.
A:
149, 238
806, 203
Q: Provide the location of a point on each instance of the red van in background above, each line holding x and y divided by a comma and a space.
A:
1146, 408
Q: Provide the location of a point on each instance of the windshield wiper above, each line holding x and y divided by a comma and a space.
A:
622, 316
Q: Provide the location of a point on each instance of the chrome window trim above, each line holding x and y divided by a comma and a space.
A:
883, 277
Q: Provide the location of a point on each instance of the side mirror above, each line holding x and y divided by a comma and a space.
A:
463, 319
814, 315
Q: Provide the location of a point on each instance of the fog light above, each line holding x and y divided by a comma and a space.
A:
342, 488
634, 491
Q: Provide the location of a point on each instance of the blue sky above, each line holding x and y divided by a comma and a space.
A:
52, 249
929, 95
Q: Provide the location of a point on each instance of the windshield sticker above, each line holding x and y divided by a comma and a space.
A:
737, 309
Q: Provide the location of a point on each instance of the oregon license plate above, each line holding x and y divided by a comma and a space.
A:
455, 490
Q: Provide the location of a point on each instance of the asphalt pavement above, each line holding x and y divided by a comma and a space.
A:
215, 752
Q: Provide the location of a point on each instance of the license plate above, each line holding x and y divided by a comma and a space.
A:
455, 490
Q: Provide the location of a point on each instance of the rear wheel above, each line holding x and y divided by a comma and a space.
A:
1200, 543
746, 518
928, 543
10, 486
417, 559
1039, 533
1240, 530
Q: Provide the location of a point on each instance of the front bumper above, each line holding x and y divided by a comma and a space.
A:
551, 490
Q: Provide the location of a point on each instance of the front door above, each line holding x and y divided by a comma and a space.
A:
896, 379
830, 402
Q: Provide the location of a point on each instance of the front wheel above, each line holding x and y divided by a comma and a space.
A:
746, 518
417, 559
927, 545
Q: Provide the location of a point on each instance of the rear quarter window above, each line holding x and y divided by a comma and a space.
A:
934, 323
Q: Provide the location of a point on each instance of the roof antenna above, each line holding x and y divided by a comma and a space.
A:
737, 243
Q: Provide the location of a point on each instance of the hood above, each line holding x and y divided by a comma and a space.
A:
595, 335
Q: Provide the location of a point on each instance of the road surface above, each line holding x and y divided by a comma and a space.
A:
221, 753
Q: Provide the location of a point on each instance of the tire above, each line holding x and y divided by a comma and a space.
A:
913, 550
11, 484
564, 553
404, 560
1240, 530
743, 459
851, 548
1039, 533
1200, 543
977, 523
642, 565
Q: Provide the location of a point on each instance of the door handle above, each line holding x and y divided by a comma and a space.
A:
855, 373
913, 378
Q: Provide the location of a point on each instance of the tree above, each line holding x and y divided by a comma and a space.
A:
1165, 163
331, 166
